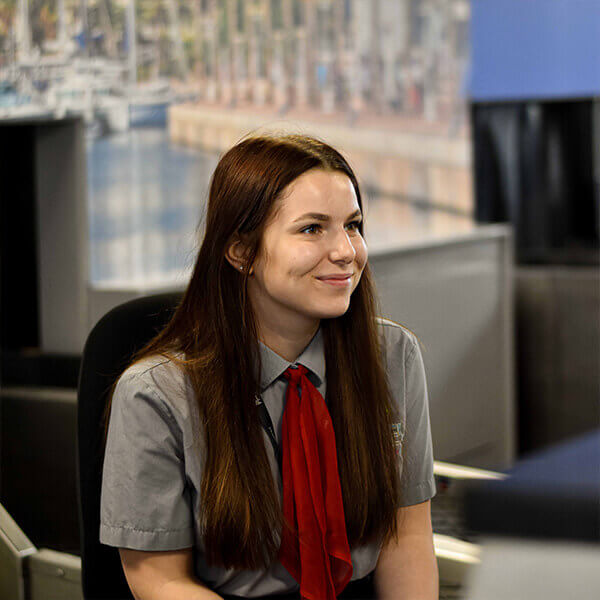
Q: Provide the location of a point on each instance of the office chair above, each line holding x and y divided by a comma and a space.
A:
108, 349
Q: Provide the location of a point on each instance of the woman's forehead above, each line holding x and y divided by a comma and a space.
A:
318, 191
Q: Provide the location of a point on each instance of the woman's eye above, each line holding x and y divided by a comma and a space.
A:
309, 227
355, 223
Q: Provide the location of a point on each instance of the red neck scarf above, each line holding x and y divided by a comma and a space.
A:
315, 551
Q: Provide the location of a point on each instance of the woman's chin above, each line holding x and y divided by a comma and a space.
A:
332, 312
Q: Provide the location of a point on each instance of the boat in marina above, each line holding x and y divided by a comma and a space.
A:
148, 103
93, 89
15, 105
63, 77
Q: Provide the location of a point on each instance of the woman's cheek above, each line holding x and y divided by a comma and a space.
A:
305, 257
362, 252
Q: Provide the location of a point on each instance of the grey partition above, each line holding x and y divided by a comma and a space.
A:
558, 352
456, 294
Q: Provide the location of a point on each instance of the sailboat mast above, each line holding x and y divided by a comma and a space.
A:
86, 31
62, 27
131, 43
23, 32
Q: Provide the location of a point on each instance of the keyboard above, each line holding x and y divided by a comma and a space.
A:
457, 549
446, 511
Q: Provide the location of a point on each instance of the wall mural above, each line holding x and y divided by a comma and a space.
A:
381, 79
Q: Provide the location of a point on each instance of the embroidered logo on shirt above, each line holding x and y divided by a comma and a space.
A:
398, 434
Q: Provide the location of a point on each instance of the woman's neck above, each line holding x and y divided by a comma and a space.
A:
288, 345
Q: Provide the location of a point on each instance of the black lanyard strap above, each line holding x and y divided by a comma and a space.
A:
267, 424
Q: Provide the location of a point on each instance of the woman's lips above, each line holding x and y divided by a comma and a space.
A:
338, 282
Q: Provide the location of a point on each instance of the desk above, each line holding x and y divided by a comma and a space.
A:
541, 526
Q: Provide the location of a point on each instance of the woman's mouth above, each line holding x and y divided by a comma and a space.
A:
338, 282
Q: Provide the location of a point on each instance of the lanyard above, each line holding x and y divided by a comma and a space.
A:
267, 424
265, 420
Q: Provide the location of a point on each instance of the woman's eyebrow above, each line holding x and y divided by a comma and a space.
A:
323, 217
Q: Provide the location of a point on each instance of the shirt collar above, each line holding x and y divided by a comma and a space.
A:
312, 357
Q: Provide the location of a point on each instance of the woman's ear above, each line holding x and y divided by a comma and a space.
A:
236, 253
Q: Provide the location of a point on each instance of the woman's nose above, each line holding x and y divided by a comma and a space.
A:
343, 247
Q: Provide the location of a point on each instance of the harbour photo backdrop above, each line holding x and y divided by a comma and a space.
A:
165, 86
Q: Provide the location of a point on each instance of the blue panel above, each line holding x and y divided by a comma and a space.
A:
534, 49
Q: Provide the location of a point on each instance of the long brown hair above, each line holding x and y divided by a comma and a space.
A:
214, 325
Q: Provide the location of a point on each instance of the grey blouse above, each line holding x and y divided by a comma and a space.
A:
153, 462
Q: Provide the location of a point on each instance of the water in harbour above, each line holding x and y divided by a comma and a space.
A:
145, 200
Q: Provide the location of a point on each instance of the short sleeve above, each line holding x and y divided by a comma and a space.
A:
145, 502
417, 479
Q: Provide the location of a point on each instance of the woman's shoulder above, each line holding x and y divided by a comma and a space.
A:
157, 368
159, 375
397, 340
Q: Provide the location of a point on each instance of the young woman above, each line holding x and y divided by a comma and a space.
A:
274, 440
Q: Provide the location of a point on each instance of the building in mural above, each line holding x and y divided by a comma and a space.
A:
382, 57
382, 79
386, 56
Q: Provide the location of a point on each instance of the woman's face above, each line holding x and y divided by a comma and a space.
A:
299, 249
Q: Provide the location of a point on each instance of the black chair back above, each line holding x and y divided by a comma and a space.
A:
108, 349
